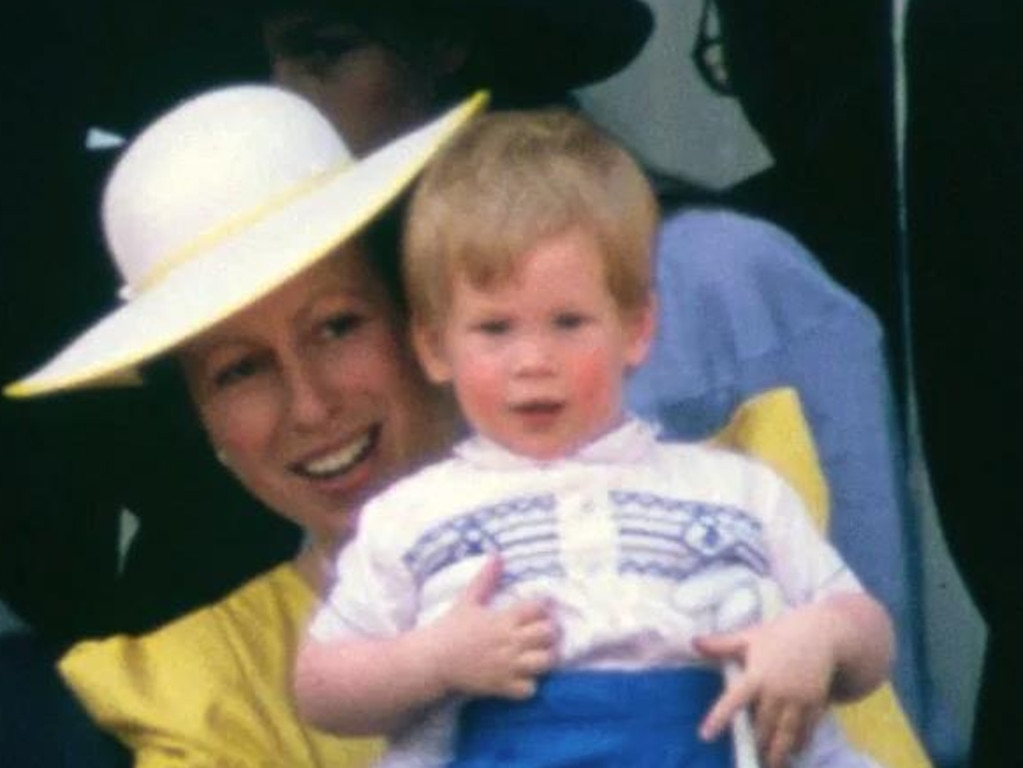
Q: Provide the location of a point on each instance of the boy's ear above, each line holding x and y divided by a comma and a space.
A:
429, 347
641, 326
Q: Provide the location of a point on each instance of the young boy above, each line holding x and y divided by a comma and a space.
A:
622, 559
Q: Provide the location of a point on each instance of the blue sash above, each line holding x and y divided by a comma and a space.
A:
644, 719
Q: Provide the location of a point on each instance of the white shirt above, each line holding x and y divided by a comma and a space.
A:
642, 546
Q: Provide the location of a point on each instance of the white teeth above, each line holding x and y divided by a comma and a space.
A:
340, 459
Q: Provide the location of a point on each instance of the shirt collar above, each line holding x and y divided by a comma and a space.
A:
629, 442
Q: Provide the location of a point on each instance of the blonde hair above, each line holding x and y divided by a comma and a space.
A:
511, 180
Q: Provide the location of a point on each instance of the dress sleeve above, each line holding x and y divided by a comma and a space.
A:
156, 693
210, 689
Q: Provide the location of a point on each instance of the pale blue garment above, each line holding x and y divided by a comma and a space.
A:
744, 308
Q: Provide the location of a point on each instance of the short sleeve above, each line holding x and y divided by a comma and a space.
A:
375, 594
805, 564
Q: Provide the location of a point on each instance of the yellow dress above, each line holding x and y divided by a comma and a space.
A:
211, 689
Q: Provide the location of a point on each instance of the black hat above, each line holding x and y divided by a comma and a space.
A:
525, 51
562, 43
527, 46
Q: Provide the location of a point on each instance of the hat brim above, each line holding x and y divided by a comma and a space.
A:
242, 268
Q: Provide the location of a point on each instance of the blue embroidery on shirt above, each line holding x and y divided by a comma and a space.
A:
657, 536
673, 538
523, 529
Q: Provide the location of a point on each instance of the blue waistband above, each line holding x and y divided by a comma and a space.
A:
596, 718
676, 695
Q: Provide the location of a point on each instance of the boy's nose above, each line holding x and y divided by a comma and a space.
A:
534, 356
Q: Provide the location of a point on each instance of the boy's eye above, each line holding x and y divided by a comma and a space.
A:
493, 327
569, 320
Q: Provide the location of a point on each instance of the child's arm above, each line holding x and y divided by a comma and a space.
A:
837, 649
355, 686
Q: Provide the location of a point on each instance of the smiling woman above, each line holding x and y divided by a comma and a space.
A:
311, 397
212, 687
293, 346
83, 458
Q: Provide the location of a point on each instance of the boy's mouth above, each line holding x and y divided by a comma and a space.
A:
538, 413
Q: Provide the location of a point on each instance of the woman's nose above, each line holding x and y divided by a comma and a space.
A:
312, 400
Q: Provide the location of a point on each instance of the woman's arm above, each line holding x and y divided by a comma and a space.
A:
367, 686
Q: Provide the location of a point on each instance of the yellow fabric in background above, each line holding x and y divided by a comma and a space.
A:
772, 428
212, 688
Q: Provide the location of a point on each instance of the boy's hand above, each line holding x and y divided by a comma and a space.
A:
479, 651
787, 665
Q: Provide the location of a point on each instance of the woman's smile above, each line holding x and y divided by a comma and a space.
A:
313, 397
334, 463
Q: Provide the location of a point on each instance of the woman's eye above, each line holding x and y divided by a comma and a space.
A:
236, 372
341, 325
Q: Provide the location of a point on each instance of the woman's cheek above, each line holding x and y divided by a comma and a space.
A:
241, 425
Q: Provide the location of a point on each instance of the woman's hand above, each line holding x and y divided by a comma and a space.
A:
794, 665
481, 651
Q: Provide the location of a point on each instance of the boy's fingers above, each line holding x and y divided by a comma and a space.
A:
484, 583
543, 633
807, 720
736, 696
723, 646
784, 738
532, 611
536, 662
765, 721
810, 719
521, 688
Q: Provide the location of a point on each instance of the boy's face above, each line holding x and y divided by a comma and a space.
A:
538, 362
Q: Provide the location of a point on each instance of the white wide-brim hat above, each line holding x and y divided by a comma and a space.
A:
218, 203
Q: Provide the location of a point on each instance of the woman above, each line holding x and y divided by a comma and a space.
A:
166, 50
238, 224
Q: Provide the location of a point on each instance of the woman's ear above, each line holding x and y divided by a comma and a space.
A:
429, 346
641, 326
